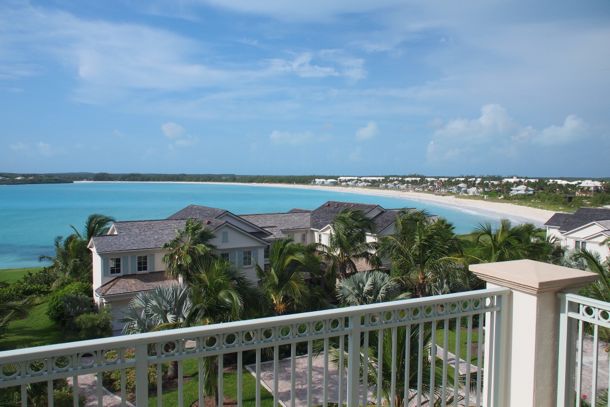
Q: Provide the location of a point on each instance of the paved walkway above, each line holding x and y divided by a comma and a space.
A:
587, 366
87, 386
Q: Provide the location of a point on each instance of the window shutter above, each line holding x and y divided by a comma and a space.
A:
124, 265
240, 258
134, 264
151, 262
105, 270
254, 257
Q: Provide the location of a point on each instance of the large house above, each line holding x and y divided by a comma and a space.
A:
129, 258
585, 229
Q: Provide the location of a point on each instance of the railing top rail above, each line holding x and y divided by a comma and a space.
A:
579, 299
229, 327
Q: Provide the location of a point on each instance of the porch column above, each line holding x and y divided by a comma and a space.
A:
532, 326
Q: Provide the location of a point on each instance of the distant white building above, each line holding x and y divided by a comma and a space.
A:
521, 190
324, 181
586, 229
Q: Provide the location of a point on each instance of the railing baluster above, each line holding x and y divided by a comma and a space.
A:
325, 378
24, 396
365, 367
432, 363
141, 359
309, 370
479, 358
468, 359
50, 400
445, 362
123, 390
420, 363
200, 382
258, 377
276, 372
407, 394
393, 372
456, 377
595, 366
379, 364
341, 369
180, 384
220, 377
98, 389
353, 362
579, 363
159, 384
240, 379
75, 395
293, 356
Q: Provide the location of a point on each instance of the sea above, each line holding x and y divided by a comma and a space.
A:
31, 216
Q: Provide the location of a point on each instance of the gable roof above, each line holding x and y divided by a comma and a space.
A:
143, 235
198, 212
133, 283
277, 223
582, 216
327, 212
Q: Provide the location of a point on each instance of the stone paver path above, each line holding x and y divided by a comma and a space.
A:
87, 386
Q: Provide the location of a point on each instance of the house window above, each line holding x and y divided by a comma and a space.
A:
267, 248
115, 265
224, 256
583, 245
225, 236
247, 258
303, 238
142, 262
320, 238
577, 245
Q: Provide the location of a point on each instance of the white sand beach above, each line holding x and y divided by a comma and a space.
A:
510, 211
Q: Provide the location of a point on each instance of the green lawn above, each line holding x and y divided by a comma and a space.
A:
451, 339
170, 397
35, 330
12, 275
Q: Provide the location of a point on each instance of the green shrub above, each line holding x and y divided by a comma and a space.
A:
69, 302
38, 284
112, 379
93, 325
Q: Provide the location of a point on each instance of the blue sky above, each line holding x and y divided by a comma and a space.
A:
315, 87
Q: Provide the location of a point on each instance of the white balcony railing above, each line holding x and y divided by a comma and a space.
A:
427, 351
581, 376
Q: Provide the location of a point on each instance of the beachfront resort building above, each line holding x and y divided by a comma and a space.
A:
129, 258
585, 229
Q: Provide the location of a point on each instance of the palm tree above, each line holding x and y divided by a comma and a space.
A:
600, 290
367, 288
283, 282
96, 225
348, 243
218, 294
189, 252
509, 242
423, 253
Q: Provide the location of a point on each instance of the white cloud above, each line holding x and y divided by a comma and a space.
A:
19, 146
39, 148
367, 132
325, 63
294, 138
172, 130
178, 135
495, 134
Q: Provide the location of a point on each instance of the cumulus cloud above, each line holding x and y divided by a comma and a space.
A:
367, 132
294, 138
39, 148
495, 132
177, 135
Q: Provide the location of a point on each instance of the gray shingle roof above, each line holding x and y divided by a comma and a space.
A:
134, 283
325, 214
198, 212
276, 223
582, 216
385, 219
142, 235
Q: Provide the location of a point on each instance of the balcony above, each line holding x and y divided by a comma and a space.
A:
520, 342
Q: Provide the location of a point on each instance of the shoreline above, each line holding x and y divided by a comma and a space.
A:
498, 210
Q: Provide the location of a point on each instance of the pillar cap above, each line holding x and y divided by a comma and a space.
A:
532, 277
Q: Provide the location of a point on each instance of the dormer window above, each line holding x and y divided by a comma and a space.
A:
142, 263
115, 265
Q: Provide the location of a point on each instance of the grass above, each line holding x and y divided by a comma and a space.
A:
170, 396
34, 330
12, 275
451, 340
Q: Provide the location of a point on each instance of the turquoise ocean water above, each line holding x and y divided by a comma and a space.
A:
31, 216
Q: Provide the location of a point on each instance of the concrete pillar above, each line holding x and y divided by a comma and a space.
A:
529, 370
